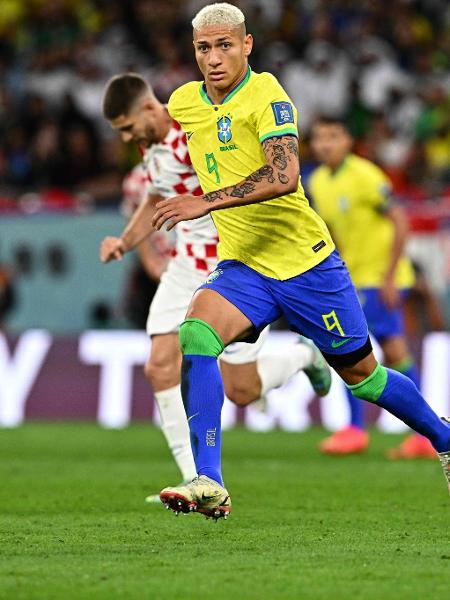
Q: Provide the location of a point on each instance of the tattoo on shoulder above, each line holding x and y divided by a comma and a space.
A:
280, 152
277, 150
292, 146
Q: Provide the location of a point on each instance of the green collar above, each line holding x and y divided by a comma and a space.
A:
231, 93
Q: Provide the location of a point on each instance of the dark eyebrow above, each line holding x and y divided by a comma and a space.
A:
222, 39
125, 128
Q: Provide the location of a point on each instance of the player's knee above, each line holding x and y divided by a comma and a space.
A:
158, 373
371, 387
198, 337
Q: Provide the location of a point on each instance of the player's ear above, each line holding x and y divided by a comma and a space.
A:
248, 44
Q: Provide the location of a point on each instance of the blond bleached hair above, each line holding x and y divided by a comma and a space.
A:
220, 13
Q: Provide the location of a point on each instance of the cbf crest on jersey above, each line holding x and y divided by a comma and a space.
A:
224, 129
283, 112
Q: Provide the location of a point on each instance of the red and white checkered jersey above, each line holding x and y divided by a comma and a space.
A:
167, 171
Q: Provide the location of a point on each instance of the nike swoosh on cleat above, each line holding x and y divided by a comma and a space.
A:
207, 497
335, 344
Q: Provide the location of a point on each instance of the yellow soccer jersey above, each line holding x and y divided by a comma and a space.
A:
280, 238
352, 201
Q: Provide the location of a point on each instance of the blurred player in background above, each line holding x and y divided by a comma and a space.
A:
152, 254
133, 110
7, 294
278, 257
354, 197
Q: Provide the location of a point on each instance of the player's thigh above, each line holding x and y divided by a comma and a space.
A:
172, 298
322, 304
243, 353
235, 301
238, 364
223, 316
242, 383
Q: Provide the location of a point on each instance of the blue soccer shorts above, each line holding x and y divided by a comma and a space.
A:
383, 322
320, 304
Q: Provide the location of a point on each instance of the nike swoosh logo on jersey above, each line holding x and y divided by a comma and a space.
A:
335, 344
189, 135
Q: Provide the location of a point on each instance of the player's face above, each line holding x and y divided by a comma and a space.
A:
143, 125
330, 143
221, 55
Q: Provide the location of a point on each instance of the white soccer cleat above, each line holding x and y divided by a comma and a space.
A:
203, 495
444, 458
155, 499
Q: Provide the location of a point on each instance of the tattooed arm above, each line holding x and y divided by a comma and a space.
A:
279, 176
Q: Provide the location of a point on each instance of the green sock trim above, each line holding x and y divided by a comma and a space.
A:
403, 365
372, 387
202, 340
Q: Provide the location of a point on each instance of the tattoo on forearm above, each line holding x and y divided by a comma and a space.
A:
212, 196
239, 191
281, 151
249, 185
264, 172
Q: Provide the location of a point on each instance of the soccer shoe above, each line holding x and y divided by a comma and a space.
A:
351, 440
414, 446
444, 458
152, 499
318, 373
155, 499
202, 494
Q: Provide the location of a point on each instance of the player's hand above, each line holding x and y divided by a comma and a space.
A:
390, 294
179, 208
111, 248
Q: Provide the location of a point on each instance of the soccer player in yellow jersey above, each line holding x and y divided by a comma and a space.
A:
277, 256
354, 198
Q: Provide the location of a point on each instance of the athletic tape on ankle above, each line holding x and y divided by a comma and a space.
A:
372, 387
198, 337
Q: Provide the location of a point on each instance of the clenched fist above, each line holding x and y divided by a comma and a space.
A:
112, 248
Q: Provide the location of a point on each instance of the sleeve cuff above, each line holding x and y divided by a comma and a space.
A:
279, 133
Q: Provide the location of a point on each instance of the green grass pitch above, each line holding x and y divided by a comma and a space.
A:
73, 524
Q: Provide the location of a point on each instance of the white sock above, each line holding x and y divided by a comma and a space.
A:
276, 369
176, 430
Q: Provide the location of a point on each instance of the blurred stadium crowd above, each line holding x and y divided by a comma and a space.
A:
382, 65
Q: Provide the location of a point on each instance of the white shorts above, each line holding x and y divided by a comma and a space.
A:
171, 301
